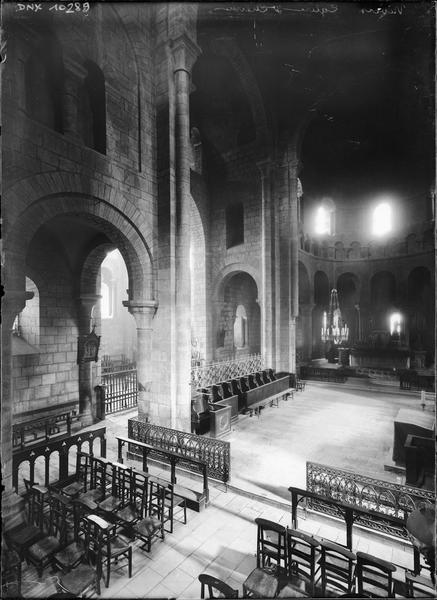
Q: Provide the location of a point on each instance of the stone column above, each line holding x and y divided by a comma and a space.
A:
143, 313
87, 409
12, 304
286, 272
267, 294
74, 77
184, 53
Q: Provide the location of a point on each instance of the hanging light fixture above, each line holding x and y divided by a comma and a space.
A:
334, 328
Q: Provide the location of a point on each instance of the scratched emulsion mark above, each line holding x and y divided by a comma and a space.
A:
64, 7
277, 9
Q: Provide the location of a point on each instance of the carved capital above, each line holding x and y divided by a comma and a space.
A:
143, 312
184, 53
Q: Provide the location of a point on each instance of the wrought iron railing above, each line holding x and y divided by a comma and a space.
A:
52, 450
224, 370
383, 497
215, 453
121, 389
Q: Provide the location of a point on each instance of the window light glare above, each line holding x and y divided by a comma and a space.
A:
322, 221
382, 219
395, 323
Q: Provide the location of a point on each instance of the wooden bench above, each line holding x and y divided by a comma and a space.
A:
256, 407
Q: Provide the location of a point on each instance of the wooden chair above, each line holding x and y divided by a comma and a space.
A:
80, 581
120, 481
135, 505
337, 568
173, 504
151, 525
107, 547
419, 586
300, 385
374, 576
82, 476
215, 585
10, 572
41, 553
28, 528
73, 550
301, 557
271, 561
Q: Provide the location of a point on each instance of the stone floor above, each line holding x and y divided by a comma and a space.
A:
326, 424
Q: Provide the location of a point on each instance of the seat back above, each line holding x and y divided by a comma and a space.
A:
271, 374
60, 525
226, 387
337, 565
252, 381
216, 393
36, 504
98, 535
156, 500
301, 555
215, 585
374, 576
258, 378
265, 376
244, 384
419, 586
271, 549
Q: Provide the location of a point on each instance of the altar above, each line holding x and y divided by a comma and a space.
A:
410, 422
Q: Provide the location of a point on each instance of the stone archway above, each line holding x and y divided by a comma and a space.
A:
236, 298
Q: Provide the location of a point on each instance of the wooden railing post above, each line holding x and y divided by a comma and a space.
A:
120, 451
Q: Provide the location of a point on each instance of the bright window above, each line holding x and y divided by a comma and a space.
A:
395, 323
382, 219
106, 302
323, 221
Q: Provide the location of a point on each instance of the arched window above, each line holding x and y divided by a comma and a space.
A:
395, 323
240, 327
234, 224
324, 219
382, 219
93, 108
107, 293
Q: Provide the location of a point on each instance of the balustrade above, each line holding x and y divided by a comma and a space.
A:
370, 496
62, 447
215, 453
203, 376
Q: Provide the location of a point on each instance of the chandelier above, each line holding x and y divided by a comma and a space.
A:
334, 328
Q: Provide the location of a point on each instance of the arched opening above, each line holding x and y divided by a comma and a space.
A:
64, 256
118, 331
93, 108
238, 317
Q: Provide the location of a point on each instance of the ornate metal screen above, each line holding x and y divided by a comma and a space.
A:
215, 453
205, 375
377, 495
